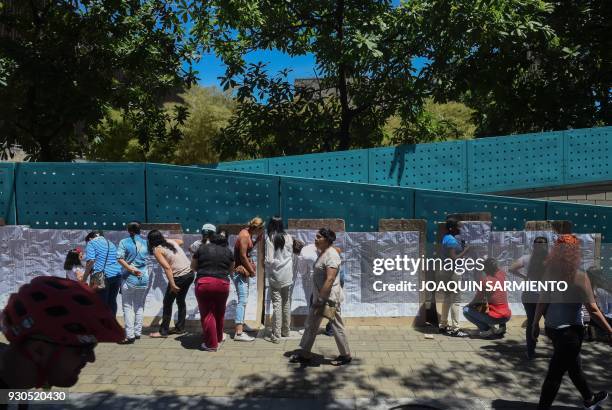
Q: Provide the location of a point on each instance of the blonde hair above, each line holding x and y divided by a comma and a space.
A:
256, 223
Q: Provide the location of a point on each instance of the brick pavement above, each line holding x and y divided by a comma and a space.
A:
392, 365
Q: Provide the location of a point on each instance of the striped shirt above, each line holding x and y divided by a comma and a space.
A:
96, 250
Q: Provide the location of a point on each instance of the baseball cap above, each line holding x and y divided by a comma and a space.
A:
209, 227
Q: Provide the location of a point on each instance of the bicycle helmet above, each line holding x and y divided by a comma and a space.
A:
61, 311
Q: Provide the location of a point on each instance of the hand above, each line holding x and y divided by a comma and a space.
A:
535, 331
80, 277
241, 270
136, 272
174, 288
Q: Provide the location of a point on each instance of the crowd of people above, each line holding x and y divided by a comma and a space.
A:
53, 335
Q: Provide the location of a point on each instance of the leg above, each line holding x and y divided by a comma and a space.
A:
219, 309
531, 343
241, 284
446, 305
286, 309
139, 303
127, 297
575, 366
184, 282
205, 295
275, 295
556, 369
476, 318
114, 292
311, 327
340, 335
167, 312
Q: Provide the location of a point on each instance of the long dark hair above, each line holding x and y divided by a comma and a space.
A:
276, 232
219, 238
72, 259
537, 262
155, 239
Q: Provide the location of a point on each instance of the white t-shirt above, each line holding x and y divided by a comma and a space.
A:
72, 273
279, 263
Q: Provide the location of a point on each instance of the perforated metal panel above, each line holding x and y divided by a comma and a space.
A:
258, 166
588, 155
90, 195
587, 219
435, 166
507, 213
193, 196
515, 162
7, 192
350, 166
360, 205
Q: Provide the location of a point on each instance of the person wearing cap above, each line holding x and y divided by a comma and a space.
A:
53, 326
207, 231
132, 255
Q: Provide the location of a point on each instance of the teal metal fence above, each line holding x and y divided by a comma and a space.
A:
7, 192
89, 195
494, 164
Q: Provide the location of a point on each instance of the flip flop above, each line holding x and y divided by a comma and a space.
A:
341, 360
297, 358
157, 335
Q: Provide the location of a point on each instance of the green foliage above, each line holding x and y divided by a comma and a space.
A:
436, 122
67, 64
209, 111
363, 53
522, 65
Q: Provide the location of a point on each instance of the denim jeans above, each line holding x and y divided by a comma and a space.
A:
242, 290
110, 292
133, 308
482, 320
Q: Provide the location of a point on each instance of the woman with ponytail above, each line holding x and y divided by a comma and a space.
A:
132, 254
279, 271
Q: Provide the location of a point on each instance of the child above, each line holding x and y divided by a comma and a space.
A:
73, 266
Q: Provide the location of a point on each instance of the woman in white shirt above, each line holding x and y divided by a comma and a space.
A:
279, 271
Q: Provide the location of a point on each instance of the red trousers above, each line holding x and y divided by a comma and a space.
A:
212, 294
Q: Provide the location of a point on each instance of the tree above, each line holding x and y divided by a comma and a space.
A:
364, 72
209, 111
65, 65
522, 65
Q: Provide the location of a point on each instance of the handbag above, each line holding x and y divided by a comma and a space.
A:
328, 310
297, 246
97, 279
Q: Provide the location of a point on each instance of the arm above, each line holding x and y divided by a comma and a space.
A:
596, 314
516, 267
540, 309
194, 263
159, 256
88, 268
327, 285
244, 259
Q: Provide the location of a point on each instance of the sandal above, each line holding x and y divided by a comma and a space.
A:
341, 360
298, 358
157, 335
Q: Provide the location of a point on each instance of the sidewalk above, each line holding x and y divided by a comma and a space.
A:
393, 368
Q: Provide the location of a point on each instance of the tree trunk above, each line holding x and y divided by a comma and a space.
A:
344, 136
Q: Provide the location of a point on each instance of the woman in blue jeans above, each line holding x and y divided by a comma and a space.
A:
489, 311
245, 269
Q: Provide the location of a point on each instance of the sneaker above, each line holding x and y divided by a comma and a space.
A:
247, 328
243, 337
137, 337
301, 331
456, 333
129, 341
208, 349
486, 333
499, 330
596, 401
272, 339
444, 330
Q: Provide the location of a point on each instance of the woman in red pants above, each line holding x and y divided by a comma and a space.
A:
213, 262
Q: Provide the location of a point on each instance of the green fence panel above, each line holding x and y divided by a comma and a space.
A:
349, 166
258, 166
588, 154
432, 166
507, 213
7, 192
193, 196
360, 205
516, 162
587, 219
85, 195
